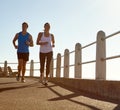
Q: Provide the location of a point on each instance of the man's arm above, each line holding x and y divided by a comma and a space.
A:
14, 40
30, 43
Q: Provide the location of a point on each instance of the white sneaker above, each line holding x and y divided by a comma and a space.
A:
23, 80
46, 82
18, 78
42, 80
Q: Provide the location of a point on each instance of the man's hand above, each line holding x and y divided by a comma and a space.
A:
16, 46
28, 43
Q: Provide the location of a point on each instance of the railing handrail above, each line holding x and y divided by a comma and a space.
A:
90, 44
111, 35
74, 51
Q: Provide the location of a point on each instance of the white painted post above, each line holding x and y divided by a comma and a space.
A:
66, 63
51, 67
78, 59
5, 68
100, 55
32, 68
58, 65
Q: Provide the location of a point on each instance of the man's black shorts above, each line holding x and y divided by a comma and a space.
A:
24, 56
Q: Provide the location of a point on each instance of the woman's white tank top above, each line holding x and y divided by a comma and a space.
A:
48, 47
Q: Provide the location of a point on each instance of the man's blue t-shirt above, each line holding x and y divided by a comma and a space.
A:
22, 46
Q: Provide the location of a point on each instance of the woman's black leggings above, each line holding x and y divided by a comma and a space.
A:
45, 58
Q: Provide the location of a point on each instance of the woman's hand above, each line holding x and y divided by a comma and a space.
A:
53, 45
43, 43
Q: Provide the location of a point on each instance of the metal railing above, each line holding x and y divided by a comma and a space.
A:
100, 58
100, 61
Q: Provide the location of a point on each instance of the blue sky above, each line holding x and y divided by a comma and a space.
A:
72, 21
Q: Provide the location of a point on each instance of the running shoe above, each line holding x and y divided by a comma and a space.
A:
18, 78
23, 80
46, 82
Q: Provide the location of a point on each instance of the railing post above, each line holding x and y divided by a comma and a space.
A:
5, 68
58, 65
100, 55
51, 67
31, 68
66, 63
78, 57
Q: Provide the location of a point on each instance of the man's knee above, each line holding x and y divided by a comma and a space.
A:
47, 71
20, 67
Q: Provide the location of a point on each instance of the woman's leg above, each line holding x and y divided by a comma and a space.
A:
42, 63
49, 57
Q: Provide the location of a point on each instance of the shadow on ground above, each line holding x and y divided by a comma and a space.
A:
76, 93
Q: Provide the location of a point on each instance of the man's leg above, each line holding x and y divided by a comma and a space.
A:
23, 70
25, 59
20, 62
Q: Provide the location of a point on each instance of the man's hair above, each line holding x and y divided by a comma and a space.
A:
25, 23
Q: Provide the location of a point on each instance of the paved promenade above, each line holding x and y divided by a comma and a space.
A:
32, 95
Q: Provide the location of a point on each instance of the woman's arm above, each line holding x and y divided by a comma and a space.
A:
38, 42
53, 40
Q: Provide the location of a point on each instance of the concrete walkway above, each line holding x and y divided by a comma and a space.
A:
32, 95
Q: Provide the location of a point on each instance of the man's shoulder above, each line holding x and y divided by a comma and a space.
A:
18, 33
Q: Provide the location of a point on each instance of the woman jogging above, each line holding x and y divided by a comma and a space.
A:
46, 41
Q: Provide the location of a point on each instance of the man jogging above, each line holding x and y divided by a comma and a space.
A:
24, 41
